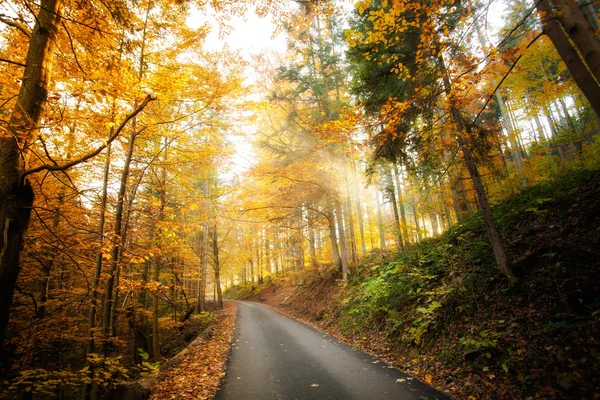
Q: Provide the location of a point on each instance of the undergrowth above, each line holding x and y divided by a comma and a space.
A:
445, 300
442, 310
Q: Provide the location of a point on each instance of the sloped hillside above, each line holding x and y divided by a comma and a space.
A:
442, 312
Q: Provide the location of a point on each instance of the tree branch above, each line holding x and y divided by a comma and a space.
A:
5, 19
504, 78
6, 60
94, 153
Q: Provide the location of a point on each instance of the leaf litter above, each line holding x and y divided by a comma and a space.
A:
201, 370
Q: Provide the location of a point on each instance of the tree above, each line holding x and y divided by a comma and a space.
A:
417, 63
17, 139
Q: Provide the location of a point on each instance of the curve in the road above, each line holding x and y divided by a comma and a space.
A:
275, 357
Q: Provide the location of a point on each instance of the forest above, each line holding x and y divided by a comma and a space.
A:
402, 169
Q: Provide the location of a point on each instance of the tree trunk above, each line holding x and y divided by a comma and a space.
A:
391, 191
342, 237
359, 213
435, 230
539, 127
157, 263
204, 272
350, 219
258, 258
98, 265
401, 202
16, 198
155, 310
380, 222
217, 266
581, 32
490, 225
114, 254
515, 149
251, 260
337, 260
311, 241
494, 237
587, 82
416, 218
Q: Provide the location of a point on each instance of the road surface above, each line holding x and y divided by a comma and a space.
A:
275, 357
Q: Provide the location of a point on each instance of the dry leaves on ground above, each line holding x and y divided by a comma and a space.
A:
200, 372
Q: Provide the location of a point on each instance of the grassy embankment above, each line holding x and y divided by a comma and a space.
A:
442, 312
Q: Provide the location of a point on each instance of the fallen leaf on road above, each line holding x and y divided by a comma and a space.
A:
315, 385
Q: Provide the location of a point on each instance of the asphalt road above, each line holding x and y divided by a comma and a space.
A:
275, 357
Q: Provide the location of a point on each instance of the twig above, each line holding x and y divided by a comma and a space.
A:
73, 48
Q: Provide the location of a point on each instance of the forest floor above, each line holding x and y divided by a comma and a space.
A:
199, 373
440, 311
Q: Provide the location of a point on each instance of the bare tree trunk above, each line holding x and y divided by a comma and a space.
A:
350, 218
515, 149
204, 252
116, 292
446, 211
117, 232
268, 261
204, 270
98, 265
380, 222
416, 218
258, 258
434, 224
251, 260
311, 241
155, 311
370, 225
157, 263
391, 191
359, 212
337, 260
539, 127
342, 237
217, 266
401, 202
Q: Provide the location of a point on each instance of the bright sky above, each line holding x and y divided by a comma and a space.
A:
250, 34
